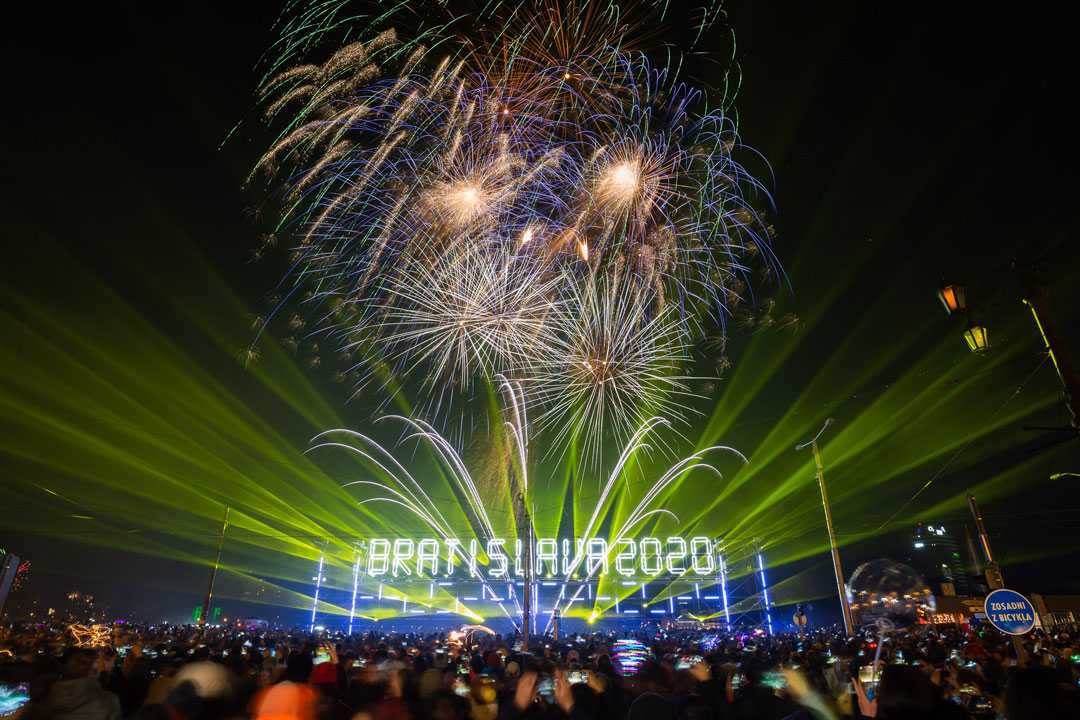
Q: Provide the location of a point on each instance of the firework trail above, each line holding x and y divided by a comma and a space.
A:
515, 188
644, 508
400, 488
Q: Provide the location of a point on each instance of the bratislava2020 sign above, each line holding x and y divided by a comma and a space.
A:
503, 557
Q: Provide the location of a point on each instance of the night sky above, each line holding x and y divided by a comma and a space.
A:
907, 147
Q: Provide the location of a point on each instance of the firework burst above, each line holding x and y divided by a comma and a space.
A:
480, 312
511, 189
613, 362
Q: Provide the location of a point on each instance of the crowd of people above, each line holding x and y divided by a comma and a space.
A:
216, 673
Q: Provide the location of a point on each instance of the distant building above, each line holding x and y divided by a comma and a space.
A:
935, 553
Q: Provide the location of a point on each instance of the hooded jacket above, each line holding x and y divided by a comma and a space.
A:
82, 699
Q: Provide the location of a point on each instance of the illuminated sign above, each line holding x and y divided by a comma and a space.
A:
1010, 612
948, 618
503, 557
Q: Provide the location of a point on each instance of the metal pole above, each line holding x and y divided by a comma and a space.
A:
994, 579
723, 586
1038, 299
764, 591
838, 570
355, 584
214, 569
318, 586
526, 604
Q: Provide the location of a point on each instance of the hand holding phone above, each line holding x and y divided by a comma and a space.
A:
545, 688
686, 662
867, 702
774, 680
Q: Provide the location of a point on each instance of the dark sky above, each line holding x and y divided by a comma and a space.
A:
942, 140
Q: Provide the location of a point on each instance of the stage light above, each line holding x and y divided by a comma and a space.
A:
953, 299
977, 338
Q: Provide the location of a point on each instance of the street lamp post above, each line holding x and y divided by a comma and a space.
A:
1036, 298
203, 619
838, 570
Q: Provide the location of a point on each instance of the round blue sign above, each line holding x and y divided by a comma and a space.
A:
1010, 612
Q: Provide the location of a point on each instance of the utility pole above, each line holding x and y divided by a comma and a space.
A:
994, 579
838, 570
214, 569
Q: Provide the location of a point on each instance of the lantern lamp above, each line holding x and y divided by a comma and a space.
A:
977, 338
952, 297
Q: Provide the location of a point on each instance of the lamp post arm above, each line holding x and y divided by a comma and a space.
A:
1038, 300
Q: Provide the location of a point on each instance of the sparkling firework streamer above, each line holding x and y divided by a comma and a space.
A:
644, 507
400, 488
612, 362
90, 636
511, 188
477, 313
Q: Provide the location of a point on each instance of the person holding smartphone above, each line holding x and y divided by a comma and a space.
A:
904, 693
78, 695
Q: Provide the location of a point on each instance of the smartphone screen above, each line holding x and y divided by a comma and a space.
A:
12, 697
546, 688
688, 661
577, 676
868, 680
773, 679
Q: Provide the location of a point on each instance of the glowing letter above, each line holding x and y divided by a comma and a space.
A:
404, 548
452, 546
596, 556
579, 556
378, 557
701, 554
500, 564
651, 565
427, 553
624, 561
474, 550
676, 555
547, 550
